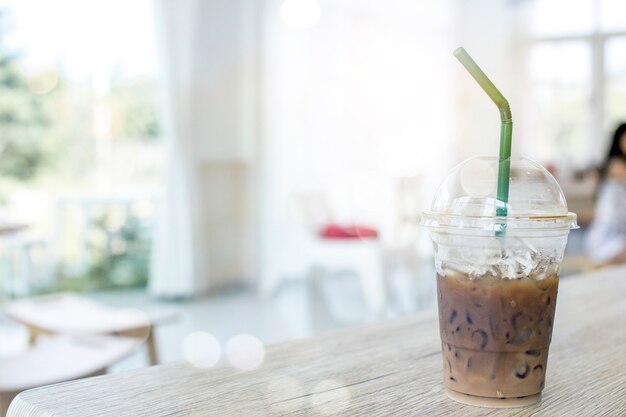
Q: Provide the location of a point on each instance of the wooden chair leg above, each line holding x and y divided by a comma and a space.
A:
147, 334
32, 336
153, 357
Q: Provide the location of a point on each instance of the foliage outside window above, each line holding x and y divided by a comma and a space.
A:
78, 127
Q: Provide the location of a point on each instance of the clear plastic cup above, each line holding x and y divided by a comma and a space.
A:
497, 279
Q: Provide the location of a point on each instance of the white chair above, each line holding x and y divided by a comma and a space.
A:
371, 259
59, 359
314, 256
403, 248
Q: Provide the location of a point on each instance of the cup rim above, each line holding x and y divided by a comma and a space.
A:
435, 220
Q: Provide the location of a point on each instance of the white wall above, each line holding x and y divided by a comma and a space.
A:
490, 31
364, 96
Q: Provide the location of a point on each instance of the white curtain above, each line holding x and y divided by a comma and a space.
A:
179, 265
208, 55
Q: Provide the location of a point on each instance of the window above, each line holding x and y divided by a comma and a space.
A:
79, 132
577, 78
562, 94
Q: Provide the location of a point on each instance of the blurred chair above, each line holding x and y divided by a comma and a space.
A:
324, 247
71, 314
363, 257
59, 359
400, 240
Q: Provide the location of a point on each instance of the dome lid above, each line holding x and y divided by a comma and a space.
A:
467, 198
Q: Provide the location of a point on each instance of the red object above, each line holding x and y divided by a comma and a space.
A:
355, 231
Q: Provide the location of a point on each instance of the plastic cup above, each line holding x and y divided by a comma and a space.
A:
497, 291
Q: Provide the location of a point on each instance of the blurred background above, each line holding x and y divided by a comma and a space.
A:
259, 166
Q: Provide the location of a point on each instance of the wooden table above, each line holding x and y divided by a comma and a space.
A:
72, 314
388, 369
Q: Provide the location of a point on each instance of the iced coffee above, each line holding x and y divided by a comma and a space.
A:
495, 333
497, 279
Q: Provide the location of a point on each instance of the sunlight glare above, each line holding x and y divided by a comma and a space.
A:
245, 352
300, 14
201, 349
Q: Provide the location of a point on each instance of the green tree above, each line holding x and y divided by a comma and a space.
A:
134, 104
25, 121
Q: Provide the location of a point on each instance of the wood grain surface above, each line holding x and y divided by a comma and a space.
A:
392, 368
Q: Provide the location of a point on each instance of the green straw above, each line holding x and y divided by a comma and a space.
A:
504, 165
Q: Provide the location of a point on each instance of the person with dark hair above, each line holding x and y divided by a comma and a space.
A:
606, 240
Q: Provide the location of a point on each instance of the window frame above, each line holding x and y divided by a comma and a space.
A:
597, 41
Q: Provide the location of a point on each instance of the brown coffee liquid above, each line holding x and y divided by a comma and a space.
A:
495, 333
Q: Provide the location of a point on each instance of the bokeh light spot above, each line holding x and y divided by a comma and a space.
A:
201, 349
245, 352
44, 82
331, 397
